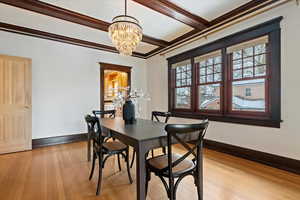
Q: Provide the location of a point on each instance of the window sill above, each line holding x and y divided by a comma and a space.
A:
230, 119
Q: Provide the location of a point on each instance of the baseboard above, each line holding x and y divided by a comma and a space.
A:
43, 142
272, 160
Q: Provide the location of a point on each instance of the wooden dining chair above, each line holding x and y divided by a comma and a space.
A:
100, 113
174, 166
156, 116
103, 150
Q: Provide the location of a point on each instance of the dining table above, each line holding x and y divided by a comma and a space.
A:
143, 135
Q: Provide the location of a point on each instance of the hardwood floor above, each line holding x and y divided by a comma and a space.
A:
61, 173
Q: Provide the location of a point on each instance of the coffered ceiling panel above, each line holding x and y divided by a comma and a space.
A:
154, 24
209, 9
21, 17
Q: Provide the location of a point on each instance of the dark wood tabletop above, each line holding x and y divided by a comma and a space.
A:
141, 130
143, 135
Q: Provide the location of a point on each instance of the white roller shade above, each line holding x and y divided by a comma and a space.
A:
251, 43
182, 63
208, 56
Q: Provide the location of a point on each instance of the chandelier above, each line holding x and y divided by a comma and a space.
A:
125, 33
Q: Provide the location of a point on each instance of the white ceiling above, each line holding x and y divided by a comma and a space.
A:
154, 24
21, 17
209, 9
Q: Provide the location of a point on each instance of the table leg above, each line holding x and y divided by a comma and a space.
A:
140, 172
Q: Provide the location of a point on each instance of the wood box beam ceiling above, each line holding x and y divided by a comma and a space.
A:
60, 38
71, 16
165, 7
172, 10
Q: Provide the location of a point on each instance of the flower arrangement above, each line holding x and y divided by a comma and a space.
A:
127, 94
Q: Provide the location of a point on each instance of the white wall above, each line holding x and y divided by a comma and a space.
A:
283, 141
65, 81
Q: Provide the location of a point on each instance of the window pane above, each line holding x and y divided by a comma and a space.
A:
248, 52
178, 76
248, 72
218, 68
210, 61
202, 79
260, 71
183, 98
202, 71
178, 83
209, 97
210, 78
189, 82
260, 60
237, 64
248, 62
237, 74
237, 55
259, 49
209, 69
217, 77
243, 100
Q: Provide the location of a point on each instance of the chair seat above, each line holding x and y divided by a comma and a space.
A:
160, 162
114, 146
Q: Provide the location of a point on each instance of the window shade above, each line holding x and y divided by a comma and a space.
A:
251, 43
180, 64
207, 56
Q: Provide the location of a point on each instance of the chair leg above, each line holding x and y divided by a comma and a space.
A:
89, 147
119, 163
152, 152
93, 166
133, 156
199, 186
171, 189
128, 167
100, 176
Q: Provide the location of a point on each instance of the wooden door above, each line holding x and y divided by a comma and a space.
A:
15, 104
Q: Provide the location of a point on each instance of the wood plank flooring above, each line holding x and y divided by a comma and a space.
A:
61, 173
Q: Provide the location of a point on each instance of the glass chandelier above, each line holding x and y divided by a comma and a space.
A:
125, 33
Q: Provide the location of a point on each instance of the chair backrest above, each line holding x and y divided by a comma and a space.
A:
183, 134
157, 114
102, 113
94, 128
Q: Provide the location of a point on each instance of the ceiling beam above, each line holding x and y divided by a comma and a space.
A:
60, 38
71, 16
174, 11
239, 10
222, 20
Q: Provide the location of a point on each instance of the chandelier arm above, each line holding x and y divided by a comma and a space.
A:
125, 7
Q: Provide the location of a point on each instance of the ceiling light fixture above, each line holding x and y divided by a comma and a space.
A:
125, 33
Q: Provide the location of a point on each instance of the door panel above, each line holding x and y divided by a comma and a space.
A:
15, 104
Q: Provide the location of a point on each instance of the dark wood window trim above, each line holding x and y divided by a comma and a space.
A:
272, 116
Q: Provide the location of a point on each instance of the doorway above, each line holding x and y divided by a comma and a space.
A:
113, 80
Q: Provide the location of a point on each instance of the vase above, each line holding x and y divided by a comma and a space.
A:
129, 112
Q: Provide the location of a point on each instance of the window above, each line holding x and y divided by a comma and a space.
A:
209, 79
249, 73
235, 79
183, 83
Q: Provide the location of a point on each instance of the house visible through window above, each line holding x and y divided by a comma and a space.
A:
228, 80
248, 92
209, 75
